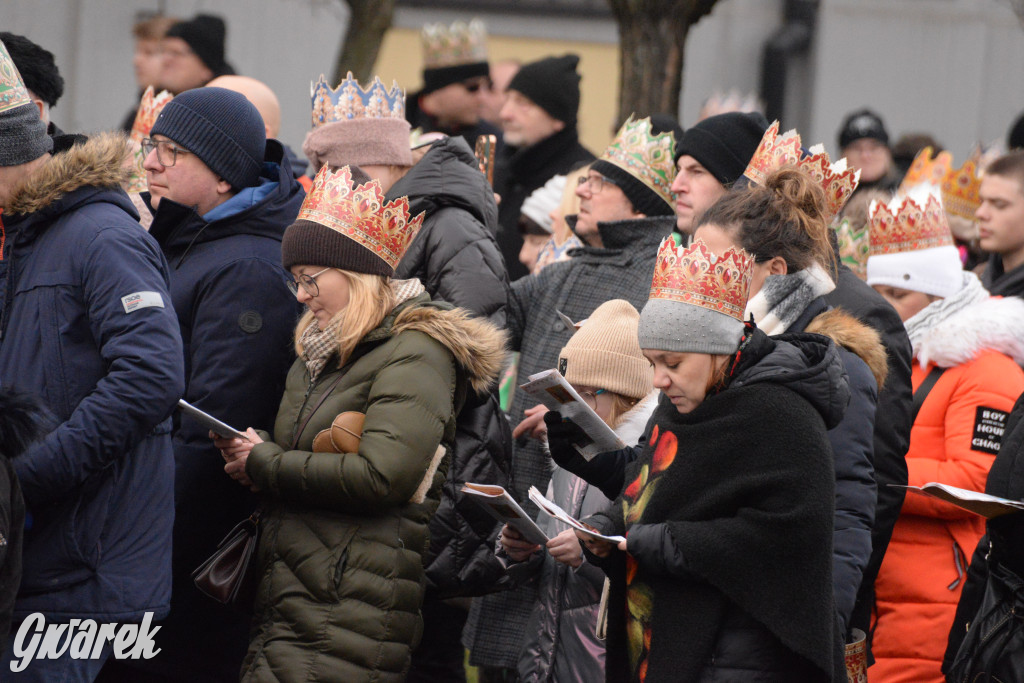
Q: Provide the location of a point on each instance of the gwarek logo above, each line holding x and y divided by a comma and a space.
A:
81, 639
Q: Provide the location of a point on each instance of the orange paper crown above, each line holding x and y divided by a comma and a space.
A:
961, 190
926, 170
149, 109
776, 151
908, 224
696, 276
360, 213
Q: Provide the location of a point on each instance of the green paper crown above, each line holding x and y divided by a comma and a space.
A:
648, 158
12, 89
854, 247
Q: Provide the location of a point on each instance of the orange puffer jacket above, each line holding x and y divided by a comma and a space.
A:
953, 441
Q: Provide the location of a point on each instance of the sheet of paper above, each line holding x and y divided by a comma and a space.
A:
558, 513
551, 389
503, 507
973, 501
210, 422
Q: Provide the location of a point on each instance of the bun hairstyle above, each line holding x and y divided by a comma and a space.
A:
788, 216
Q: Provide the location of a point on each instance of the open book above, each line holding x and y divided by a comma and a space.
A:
551, 389
973, 501
561, 515
504, 508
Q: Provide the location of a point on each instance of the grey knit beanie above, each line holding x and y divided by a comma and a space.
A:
222, 128
23, 135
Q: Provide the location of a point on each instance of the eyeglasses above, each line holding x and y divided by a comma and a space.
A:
166, 151
596, 182
308, 283
590, 398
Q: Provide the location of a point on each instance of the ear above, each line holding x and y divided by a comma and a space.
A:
223, 186
559, 125
778, 266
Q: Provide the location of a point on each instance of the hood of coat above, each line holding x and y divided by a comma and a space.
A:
478, 346
854, 336
808, 364
447, 176
993, 324
94, 163
178, 227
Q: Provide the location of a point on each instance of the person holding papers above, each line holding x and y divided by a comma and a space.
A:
968, 346
603, 363
340, 555
726, 570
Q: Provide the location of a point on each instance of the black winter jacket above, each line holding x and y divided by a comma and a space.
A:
999, 282
456, 257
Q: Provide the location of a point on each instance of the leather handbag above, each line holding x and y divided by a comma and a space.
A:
228, 576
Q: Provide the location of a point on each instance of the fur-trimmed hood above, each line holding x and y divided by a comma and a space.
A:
478, 346
854, 336
994, 324
97, 162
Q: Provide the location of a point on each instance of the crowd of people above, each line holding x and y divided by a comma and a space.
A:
782, 343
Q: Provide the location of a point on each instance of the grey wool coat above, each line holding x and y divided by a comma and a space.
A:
622, 269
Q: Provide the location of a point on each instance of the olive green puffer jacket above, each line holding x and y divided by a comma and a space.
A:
342, 579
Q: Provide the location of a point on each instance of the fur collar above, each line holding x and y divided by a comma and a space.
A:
634, 421
98, 162
854, 336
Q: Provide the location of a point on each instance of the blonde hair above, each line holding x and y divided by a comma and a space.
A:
620, 406
370, 299
569, 206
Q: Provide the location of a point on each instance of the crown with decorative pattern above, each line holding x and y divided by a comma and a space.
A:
961, 188
349, 101
909, 223
854, 246
926, 169
13, 92
646, 156
693, 275
361, 214
776, 151
462, 43
149, 109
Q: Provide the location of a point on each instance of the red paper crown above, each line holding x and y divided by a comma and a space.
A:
926, 170
149, 109
961, 190
776, 151
696, 276
910, 227
360, 213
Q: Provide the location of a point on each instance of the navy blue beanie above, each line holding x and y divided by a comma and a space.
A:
220, 127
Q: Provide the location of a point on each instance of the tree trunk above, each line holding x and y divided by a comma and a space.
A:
368, 21
652, 43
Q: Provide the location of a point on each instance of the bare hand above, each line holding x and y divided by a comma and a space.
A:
235, 453
532, 424
565, 548
597, 546
516, 547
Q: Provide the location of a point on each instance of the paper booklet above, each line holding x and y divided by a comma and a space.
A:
210, 422
551, 389
973, 501
504, 508
561, 515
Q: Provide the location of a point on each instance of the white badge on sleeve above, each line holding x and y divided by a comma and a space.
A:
134, 302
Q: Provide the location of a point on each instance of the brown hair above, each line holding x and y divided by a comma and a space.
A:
620, 406
719, 373
786, 217
153, 28
1009, 165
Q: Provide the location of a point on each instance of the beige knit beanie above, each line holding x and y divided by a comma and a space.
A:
605, 352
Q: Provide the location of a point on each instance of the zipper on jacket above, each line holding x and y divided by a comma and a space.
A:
958, 562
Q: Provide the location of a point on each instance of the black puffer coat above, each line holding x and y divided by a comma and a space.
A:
456, 257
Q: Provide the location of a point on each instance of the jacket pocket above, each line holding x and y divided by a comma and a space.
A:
340, 563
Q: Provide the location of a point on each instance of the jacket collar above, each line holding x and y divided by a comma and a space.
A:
526, 160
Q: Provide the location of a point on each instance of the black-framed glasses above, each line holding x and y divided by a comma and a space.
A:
596, 182
308, 283
590, 398
166, 151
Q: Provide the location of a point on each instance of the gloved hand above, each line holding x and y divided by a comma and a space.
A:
561, 436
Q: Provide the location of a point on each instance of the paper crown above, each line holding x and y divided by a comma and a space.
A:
350, 101
149, 109
647, 157
461, 44
13, 92
926, 170
854, 246
693, 275
909, 223
961, 188
360, 213
776, 151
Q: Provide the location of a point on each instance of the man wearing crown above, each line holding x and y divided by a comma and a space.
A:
87, 327
221, 196
626, 208
1001, 224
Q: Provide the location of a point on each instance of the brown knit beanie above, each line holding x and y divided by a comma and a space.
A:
605, 352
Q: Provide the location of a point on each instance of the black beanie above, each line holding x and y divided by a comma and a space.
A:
553, 85
37, 67
205, 34
724, 144
861, 124
437, 78
644, 199
222, 128
1015, 138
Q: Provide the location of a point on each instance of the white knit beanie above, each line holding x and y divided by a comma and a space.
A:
545, 199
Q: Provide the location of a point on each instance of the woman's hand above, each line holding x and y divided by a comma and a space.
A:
235, 453
532, 424
599, 547
565, 548
516, 547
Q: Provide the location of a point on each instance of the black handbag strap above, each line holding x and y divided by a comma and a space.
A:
309, 416
922, 391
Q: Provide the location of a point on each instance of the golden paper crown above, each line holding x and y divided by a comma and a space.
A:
149, 108
695, 276
854, 247
776, 151
647, 157
925, 170
360, 213
350, 101
909, 224
961, 189
13, 92
461, 44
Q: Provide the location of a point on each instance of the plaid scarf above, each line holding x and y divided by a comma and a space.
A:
784, 297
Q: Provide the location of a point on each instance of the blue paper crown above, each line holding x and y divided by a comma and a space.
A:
349, 101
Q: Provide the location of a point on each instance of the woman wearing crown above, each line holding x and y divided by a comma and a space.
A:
341, 576
725, 573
